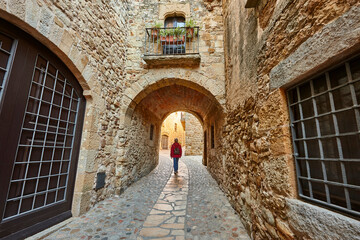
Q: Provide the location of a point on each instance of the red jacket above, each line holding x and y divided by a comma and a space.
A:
172, 154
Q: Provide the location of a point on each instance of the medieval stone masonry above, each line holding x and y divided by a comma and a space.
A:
268, 92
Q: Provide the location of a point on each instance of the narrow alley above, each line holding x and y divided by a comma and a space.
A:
161, 205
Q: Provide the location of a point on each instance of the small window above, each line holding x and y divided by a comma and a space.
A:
175, 22
175, 127
151, 132
325, 121
212, 136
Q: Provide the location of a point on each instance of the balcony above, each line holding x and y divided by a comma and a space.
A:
172, 47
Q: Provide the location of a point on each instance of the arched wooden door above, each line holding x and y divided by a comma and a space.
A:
164, 142
41, 116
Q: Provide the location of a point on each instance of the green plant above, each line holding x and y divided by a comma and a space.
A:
157, 25
179, 31
190, 23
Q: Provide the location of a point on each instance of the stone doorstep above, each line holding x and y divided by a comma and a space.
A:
49, 231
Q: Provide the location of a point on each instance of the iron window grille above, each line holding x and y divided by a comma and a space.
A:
325, 125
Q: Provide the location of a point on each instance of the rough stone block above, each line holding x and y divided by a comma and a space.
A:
319, 50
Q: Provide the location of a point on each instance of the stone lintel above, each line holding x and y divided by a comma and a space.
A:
174, 9
332, 44
251, 3
191, 60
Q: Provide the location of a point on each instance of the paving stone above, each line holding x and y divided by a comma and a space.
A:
195, 209
154, 220
154, 232
173, 226
163, 207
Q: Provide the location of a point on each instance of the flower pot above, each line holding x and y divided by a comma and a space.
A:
154, 33
172, 40
190, 32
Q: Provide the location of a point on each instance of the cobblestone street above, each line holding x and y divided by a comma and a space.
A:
161, 205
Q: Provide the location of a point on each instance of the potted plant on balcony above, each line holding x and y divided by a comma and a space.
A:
190, 30
172, 36
155, 29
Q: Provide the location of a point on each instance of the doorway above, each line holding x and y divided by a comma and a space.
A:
41, 115
164, 142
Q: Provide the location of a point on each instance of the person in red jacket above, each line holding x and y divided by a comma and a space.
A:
175, 153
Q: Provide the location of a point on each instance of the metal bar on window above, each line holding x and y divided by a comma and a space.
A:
331, 182
338, 141
45, 137
328, 113
33, 135
305, 144
319, 142
296, 151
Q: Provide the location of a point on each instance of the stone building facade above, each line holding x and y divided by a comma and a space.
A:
237, 85
172, 128
194, 138
187, 129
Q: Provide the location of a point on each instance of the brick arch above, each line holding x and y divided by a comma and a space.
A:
59, 44
195, 81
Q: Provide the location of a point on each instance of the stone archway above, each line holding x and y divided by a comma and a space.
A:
138, 152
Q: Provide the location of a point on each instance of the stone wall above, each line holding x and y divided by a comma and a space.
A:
142, 79
142, 155
102, 44
90, 38
257, 171
193, 135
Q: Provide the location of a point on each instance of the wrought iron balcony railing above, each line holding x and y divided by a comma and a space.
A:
171, 41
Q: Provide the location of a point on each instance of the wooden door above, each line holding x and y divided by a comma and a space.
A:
164, 142
41, 116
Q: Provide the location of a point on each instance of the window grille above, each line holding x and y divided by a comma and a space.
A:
325, 124
6, 53
41, 170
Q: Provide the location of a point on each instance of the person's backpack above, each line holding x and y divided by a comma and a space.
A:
176, 150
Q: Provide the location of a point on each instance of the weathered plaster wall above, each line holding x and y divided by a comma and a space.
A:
193, 135
257, 171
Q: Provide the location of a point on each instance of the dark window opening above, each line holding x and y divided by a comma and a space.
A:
151, 132
174, 22
212, 136
325, 120
175, 127
174, 46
